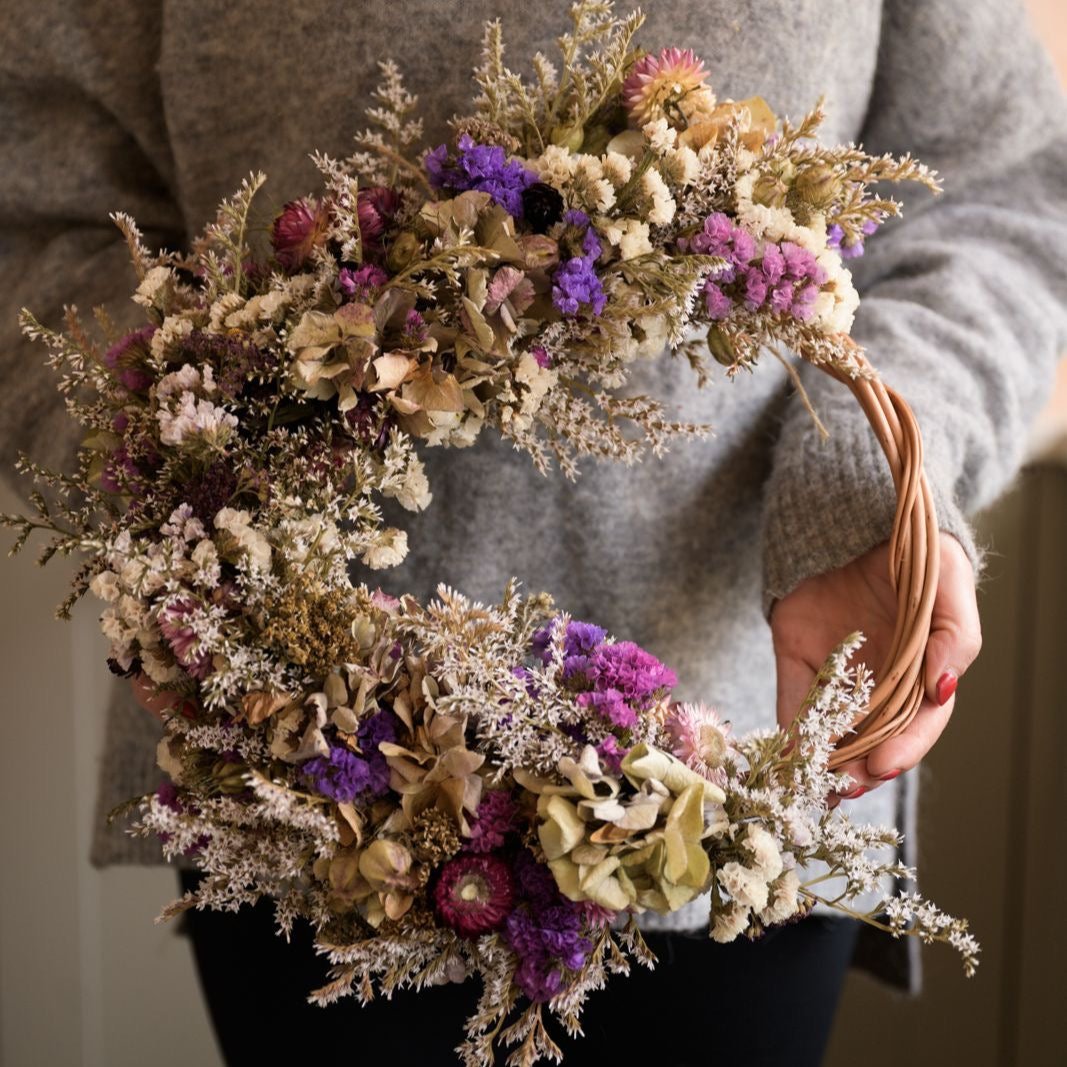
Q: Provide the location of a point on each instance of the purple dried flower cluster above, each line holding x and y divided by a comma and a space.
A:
484, 167
546, 931
233, 360
361, 283
376, 208
575, 285
781, 277
127, 357
616, 680
835, 235
212, 490
493, 822
343, 776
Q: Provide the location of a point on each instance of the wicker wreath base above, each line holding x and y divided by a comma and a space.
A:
914, 562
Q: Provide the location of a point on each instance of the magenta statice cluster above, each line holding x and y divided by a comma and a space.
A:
343, 776
780, 277
617, 680
545, 931
483, 167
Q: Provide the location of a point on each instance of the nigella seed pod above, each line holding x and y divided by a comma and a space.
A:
819, 187
770, 190
720, 347
542, 206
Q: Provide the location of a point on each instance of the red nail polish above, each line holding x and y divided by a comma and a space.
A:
946, 686
854, 794
889, 775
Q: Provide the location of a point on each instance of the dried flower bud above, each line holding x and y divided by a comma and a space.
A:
721, 347
770, 190
569, 137
402, 251
542, 206
818, 186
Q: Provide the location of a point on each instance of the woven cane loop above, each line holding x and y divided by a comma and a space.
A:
914, 563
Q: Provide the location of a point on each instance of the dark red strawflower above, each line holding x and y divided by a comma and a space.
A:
474, 894
297, 231
375, 209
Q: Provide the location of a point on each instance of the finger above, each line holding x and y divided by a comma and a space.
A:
862, 781
795, 679
904, 751
152, 701
955, 628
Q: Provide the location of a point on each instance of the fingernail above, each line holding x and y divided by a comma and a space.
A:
889, 775
946, 686
854, 794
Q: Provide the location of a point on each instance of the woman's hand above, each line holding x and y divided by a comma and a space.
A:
807, 624
157, 703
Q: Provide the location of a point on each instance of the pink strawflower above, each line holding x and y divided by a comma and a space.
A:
657, 79
298, 231
182, 639
474, 894
699, 739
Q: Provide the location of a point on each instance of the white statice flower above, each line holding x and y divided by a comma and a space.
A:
784, 894
105, 585
205, 558
662, 207
156, 287
413, 493
166, 338
766, 858
729, 922
680, 166
836, 305
185, 414
388, 550
554, 166
183, 525
617, 168
590, 189
659, 135
745, 885
254, 544
630, 236
194, 418
312, 533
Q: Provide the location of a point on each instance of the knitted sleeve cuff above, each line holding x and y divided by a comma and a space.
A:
829, 501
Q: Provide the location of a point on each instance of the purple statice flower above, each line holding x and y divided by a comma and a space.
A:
545, 930
632, 671
611, 706
611, 753
234, 360
127, 357
580, 639
834, 236
482, 167
575, 286
494, 820
212, 490
360, 283
719, 305
343, 776
415, 329
541, 356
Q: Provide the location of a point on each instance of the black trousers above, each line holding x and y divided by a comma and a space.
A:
769, 1002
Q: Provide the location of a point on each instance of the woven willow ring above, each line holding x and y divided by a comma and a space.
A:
914, 563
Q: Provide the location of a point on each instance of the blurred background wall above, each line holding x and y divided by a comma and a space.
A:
87, 980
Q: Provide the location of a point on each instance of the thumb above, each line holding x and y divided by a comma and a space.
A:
955, 629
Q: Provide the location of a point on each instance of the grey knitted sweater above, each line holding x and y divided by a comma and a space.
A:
158, 109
